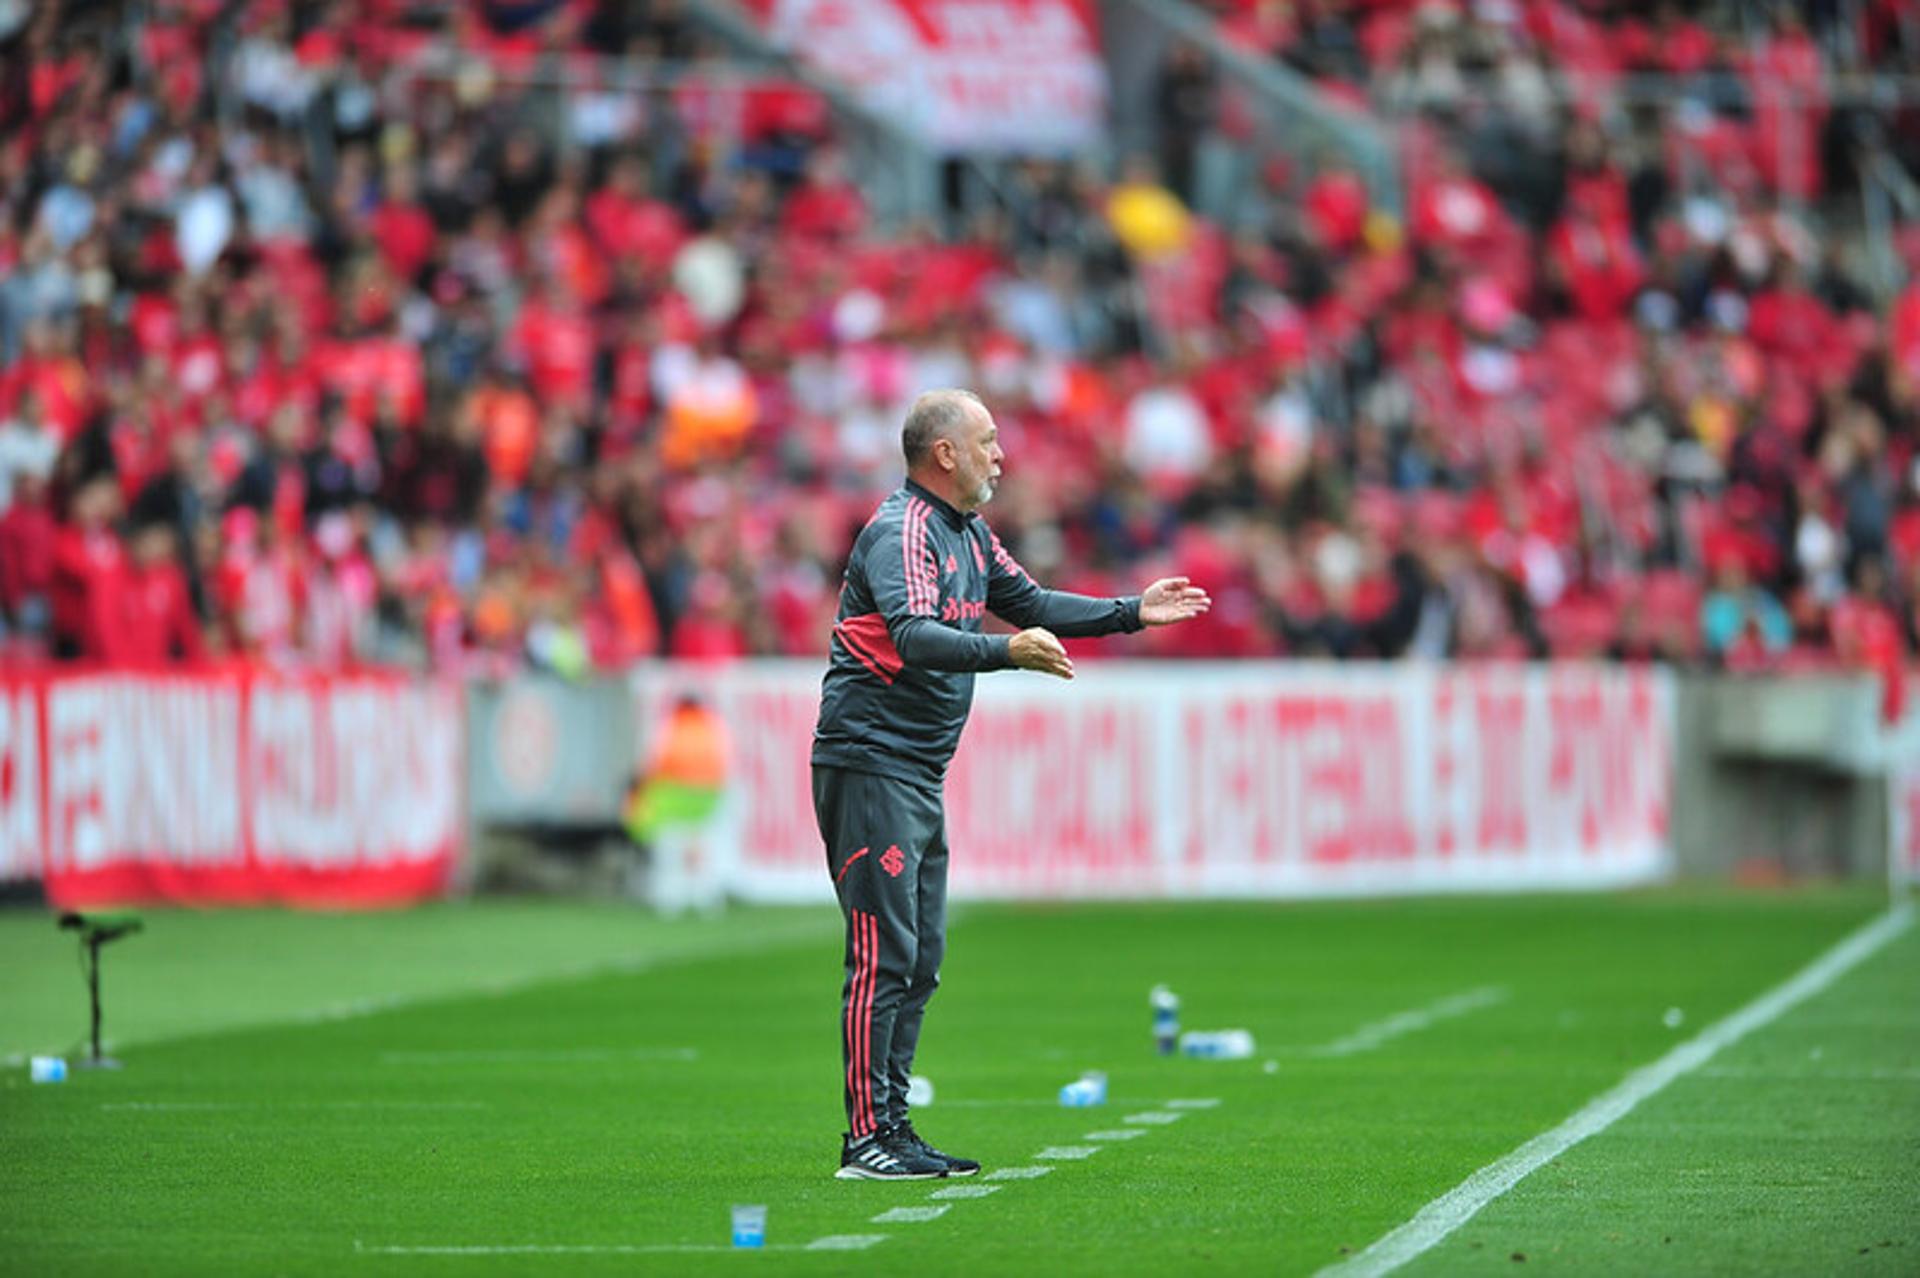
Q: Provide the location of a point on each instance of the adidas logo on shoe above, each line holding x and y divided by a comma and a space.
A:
877, 1157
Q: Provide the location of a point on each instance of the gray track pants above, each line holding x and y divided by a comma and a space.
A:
887, 851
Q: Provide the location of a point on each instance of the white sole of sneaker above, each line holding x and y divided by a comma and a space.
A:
970, 1171
861, 1173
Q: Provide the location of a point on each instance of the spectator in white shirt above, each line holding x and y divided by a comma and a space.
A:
27, 447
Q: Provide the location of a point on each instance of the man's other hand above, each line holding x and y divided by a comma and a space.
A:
1172, 599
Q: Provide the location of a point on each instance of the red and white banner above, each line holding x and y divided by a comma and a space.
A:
1244, 780
998, 75
230, 787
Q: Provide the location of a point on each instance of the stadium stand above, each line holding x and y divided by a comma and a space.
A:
479, 336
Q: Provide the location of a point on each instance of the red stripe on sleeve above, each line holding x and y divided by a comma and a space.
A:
916, 551
906, 556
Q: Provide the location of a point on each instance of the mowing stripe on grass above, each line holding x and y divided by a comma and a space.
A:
1368, 1037
201, 1107
1815, 1075
831, 1242
775, 937
564, 1249
540, 1056
1459, 1205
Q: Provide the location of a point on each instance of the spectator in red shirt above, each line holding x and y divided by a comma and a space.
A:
628, 222
710, 630
827, 206
27, 537
49, 369
156, 609
1790, 323
401, 227
1457, 211
1905, 330
1336, 208
1790, 105
89, 576
1592, 259
1866, 635
557, 341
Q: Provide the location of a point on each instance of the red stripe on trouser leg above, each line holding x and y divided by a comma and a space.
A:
854, 996
859, 1023
866, 1024
855, 1021
846, 1028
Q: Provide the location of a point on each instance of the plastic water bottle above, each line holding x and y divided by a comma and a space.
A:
1166, 1018
1088, 1089
919, 1091
47, 1069
1217, 1045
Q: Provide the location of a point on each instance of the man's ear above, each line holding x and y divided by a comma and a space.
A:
944, 454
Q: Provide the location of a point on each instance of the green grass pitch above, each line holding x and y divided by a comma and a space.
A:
570, 1089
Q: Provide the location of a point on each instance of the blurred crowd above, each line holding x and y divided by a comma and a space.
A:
371, 330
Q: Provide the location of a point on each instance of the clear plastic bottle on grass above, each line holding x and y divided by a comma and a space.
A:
1166, 1018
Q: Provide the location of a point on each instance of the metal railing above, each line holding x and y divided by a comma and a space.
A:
1888, 197
1295, 118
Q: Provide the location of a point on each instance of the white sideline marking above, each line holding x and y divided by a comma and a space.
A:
1018, 1173
965, 1191
198, 1107
540, 1056
1368, 1037
845, 1242
561, 1249
1068, 1151
1156, 1117
909, 1215
1459, 1205
1204, 1102
1128, 1134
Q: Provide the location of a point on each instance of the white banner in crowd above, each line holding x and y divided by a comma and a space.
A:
1148, 780
1010, 75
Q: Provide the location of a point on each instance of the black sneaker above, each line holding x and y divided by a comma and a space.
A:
955, 1166
882, 1156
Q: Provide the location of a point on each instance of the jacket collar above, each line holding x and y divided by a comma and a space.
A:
948, 511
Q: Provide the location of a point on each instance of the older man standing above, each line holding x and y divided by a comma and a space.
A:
923, 574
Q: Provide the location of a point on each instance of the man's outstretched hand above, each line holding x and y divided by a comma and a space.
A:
1172, 599
1038, 649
